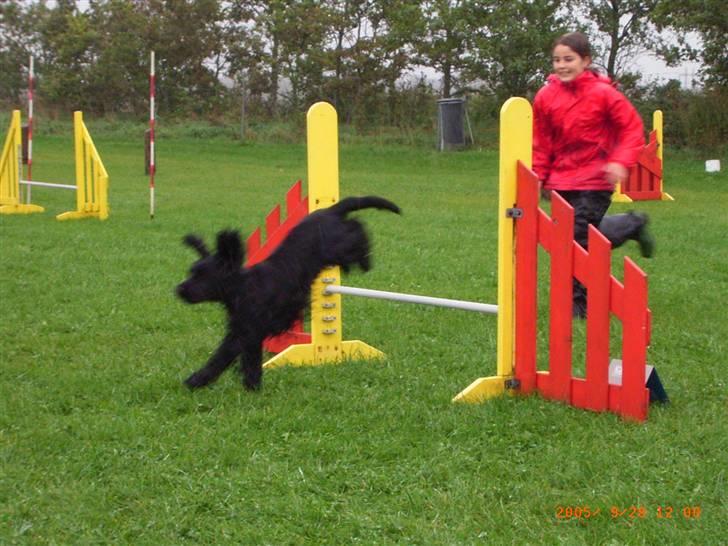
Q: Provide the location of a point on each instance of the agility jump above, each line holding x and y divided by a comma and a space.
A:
10, 168
522, 227
92, 180
645, 181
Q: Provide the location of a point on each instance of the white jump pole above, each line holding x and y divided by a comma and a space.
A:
151, 135
30, 183
412, 298
31, 78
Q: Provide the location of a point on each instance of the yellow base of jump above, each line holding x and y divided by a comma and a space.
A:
619, 197
20, 209
79, 214
484, 388
311, 355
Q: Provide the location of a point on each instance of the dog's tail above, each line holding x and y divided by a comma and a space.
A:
350, 204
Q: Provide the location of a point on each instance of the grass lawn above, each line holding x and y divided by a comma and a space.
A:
100, 443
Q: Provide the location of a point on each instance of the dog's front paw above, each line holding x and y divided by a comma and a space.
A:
197, 380
365, 263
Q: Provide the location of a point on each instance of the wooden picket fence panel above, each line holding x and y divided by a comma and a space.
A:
275, 232
645, 178
645, 181
606, 296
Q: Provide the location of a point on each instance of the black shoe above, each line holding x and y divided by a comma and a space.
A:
645, 238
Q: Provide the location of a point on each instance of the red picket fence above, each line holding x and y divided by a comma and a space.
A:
276, 231
627, 301
645, 178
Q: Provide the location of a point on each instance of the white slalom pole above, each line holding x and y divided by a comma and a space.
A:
151, 135
31, 78
412, 298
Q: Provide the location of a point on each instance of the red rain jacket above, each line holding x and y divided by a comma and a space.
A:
579, 127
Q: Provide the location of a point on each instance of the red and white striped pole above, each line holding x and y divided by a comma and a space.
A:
31, 78
151, 136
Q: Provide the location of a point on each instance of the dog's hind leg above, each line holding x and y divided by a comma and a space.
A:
218, 363
251, 365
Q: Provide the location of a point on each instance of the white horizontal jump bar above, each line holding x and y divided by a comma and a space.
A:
47, 184
412, 298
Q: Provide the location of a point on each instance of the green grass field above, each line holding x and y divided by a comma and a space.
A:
100, 443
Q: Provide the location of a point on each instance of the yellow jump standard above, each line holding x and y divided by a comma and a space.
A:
516, 118
10, 172
327, 344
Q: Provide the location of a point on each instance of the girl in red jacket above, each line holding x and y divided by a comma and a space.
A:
586, 136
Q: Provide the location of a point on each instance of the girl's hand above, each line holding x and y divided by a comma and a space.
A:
615, 172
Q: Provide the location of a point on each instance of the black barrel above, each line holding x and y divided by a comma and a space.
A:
451, 124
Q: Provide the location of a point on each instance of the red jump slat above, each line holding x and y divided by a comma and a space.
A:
560, 341
597, 321
526, 279
273, 221
635, 397
296, 205
294, 336
253, 246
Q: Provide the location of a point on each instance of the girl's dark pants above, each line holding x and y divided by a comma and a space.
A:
590, 207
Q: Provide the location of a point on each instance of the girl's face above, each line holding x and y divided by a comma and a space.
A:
568, 64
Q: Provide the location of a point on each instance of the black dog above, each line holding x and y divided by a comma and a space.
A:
265, 299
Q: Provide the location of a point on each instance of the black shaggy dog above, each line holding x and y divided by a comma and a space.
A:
265, 299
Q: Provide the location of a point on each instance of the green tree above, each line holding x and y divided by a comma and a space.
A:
367, 50
16, 39
707, 19
625, 28
510, 44
118, 78
246, 51
256, 44
67, 38
401, 31
302, 31
188, 42
444, 39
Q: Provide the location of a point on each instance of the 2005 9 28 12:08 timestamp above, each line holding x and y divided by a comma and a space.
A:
632, 512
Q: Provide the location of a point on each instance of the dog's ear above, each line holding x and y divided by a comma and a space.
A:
230, 248
198, 244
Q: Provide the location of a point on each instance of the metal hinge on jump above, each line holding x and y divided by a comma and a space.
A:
514, 213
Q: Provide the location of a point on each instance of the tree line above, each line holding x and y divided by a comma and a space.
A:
380, 62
